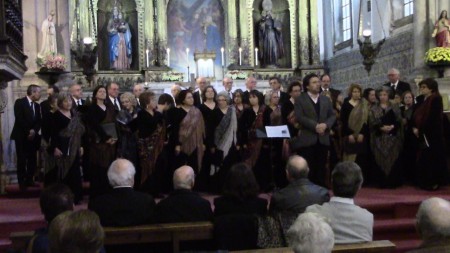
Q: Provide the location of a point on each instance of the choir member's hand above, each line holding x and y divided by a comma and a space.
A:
111, 141
81, 151
177, 149
320, 128
57, 152
31, 135
360, 138
351, 139
416, 131
385, 129
213, 150
238, 147
245, 146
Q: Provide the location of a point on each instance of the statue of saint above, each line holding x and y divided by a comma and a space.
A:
119, 41
48, 37
270, 37
442, 30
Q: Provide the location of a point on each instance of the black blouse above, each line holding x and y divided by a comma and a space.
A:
146, 123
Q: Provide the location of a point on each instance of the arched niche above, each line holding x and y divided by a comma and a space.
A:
133, 11
280, 12
185, 30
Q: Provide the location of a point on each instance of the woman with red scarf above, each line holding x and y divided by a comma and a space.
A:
428, 128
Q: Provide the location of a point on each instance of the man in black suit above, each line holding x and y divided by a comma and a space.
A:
228, 87
275, 84
201, 85
327, 90
183, 205
137, 91
76, 93
25, 133
250, 84
123, 206
113, 96
397, 86
300, 193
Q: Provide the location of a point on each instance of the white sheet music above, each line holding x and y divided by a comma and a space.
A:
277, 131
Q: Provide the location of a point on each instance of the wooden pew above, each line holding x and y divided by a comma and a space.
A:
384, 246
171, 232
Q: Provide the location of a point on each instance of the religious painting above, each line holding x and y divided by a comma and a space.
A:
194, 25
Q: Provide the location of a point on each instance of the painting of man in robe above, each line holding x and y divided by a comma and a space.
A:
197, 25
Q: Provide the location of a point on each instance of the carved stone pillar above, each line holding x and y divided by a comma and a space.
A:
303, 34
309, 48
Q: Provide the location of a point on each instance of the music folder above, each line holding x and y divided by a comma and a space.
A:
277, 131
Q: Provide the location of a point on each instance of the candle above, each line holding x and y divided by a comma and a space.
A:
187, 56
240, 56
146, 52
222, 50
168, 57
256, 56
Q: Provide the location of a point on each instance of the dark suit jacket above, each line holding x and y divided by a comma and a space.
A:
283, 98
297, 196
24, 120
183, 206
401, 87
334, 94
123, 207
197, 100
108, 102
80, 108
226, 205
307, 117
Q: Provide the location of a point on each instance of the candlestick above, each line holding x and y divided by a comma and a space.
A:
168, 57
222, 50
187, 56
146, 52
240, 56
256, 56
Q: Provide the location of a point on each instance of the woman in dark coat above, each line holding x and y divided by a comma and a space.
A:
187, 133
409, 154
127, 143
65, 145
428, 128
102, 138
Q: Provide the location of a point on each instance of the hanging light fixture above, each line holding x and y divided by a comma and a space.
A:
368, 50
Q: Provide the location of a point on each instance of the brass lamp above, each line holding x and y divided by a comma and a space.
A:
368, 50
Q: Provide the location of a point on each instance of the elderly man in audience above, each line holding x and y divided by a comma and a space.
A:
350, 223
228, 86
123, 206
54, 200
183, 205
78, 231
397, 86
310, 233
300, 193
433, 225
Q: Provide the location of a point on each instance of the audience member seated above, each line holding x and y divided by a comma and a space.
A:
310, 233
433, 225
350, 223
235, 225
123, 206
76, 232
300, 193
183, 205
54, 200
240, 193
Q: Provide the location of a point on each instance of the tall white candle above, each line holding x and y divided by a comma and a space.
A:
146, 52
168, 57
240, 56
187, 56
222, 50
256, 56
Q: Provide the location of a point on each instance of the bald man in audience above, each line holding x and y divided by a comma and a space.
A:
123, 206
433, 226
300, 193
183, 205
201, 85
250, 84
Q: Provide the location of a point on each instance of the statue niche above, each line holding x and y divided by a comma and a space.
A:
117, 35
272, 33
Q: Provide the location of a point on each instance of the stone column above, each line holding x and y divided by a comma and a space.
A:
303, 34
148, 26
422, 31
232, 31
314, 24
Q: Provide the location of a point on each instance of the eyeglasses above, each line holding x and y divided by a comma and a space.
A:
220, 100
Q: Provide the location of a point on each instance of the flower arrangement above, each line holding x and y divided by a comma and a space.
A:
438, 56
236, 74
52, 62
172, 76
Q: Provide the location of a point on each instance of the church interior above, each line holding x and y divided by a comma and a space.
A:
156, 44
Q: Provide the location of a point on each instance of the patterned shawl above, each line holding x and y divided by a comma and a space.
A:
358, 116
192, 133
226, 131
